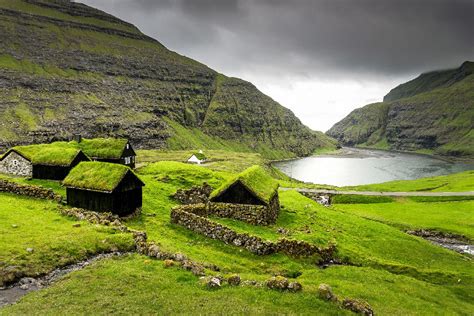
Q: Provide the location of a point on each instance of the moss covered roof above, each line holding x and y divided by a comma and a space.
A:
200, 156
254, 179
63, 153
97, 176
56, 154
107, 148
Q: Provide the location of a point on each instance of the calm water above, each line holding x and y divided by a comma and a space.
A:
364, 166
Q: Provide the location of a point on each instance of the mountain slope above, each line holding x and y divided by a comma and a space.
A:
66, 68
433, 113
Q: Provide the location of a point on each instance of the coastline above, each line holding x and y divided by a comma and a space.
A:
365, 152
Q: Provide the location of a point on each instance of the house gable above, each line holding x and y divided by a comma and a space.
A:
15, 163
238, 193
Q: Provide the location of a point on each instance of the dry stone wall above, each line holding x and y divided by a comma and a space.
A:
252, 214
193, 217
29, 190
16, 165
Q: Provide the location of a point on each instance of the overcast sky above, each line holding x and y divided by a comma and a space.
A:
320, 58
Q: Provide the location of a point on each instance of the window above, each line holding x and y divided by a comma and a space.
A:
127, 160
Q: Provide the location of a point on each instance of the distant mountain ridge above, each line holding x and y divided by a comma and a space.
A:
432, 113
67, 68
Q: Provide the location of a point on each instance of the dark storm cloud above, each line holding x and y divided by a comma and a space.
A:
309, 38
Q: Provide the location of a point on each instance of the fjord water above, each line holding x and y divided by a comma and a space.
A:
354, 166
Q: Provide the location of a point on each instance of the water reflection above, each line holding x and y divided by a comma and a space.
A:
363, 166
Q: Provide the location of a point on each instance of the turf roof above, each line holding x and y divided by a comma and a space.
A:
254, 179
106, 148
54, 154
200, 156
96, 176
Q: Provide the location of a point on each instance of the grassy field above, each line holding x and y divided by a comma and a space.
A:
395, 272
451, 217
50, 184
36, 224
458, 182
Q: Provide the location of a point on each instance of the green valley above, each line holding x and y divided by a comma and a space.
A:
379, 263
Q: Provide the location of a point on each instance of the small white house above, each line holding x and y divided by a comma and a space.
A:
197, 158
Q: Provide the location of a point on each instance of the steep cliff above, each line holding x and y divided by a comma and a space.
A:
67, 68
432, 113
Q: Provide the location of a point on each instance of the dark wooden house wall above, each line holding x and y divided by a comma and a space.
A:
50, 172
120, 203
126, 153
237, 193
56, 172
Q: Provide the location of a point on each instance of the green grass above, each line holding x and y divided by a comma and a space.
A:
48, 154
458, 182
218, 160
50, 184
435, 111
193, 138
94, 175
395, 272
63, 153
26, 66
32, 223
105, 148
254, 179
452, 217
359, 199
22, 6
118, 285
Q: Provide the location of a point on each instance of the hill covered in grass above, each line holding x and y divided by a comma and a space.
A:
66, 68
433, 113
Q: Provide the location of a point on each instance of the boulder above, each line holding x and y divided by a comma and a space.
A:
278, 283
358, 306
295, 287
325, 292
234, 280
214, 283
154, 251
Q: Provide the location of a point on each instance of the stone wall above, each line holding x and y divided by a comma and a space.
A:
29, 190
193, 217
252, 214
196, 194
16, 165
201, 225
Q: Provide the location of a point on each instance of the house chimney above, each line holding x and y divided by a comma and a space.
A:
77, 137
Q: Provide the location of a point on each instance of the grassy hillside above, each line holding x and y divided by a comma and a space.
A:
433, 113
393, 271
67, 68
458, 182
36, 224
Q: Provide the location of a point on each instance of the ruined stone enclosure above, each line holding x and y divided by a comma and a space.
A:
252, 196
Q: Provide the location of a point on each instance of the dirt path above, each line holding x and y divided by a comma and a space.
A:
375, 193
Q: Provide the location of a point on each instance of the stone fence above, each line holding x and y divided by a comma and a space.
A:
29, 190
252, 214
193, 217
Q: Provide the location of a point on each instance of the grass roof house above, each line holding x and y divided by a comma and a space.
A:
251, 187
114, 150
197, 158
102, 186
44, 161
